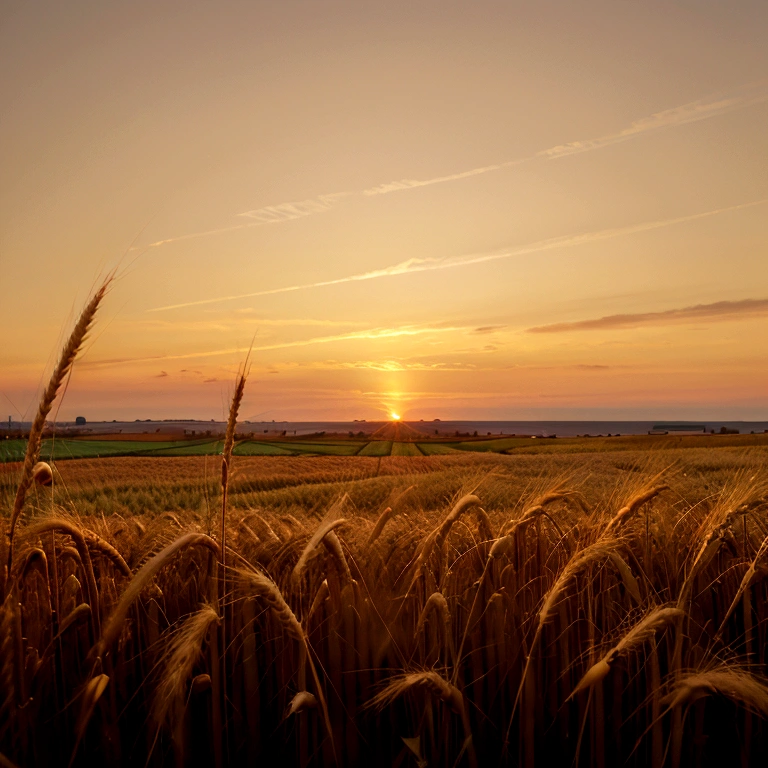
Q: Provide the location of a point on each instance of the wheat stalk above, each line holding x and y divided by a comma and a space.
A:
61, 371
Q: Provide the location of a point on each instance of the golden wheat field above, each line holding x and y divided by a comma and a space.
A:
589, 608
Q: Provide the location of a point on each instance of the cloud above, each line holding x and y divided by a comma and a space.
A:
373, 334
413, 265
401, 365
209, 381
489, 328
110, 361
161, 375
720, 310
397, 186
232, 320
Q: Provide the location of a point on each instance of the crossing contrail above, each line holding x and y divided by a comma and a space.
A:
411, 266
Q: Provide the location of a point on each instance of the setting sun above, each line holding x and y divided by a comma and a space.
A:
395, 416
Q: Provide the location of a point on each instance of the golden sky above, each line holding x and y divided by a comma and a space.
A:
502, 210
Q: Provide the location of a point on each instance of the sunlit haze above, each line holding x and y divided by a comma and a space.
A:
423, 210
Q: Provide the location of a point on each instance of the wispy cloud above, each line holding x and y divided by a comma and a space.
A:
411, 266
229, 323
397, 186
270, 214
694, 111
373, 334
399, 365
720, 310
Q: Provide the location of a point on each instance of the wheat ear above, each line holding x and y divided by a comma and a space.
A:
643, 630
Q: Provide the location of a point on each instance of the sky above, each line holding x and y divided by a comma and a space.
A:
496, 210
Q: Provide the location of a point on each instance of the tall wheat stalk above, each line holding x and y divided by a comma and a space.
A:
61, 371
219, 666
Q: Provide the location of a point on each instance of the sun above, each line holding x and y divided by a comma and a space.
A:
395, 416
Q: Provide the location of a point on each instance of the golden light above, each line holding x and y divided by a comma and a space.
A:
395, 416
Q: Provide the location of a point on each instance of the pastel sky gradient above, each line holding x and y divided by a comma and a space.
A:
501, 210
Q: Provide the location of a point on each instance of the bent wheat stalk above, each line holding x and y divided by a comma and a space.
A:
642, 631
633, 505
179, 659
740, 686
149, 570
322, 531
387, 515
265, 588
436, 686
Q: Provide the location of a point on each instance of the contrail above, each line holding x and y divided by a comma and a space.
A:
271, 214
425, 265
370, 335
694, 111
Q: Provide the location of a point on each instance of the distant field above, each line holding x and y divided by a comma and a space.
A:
498, 445
328, 449
88, 447
252, 448
406, 449
63, 448
437, 449
186, 448
376, 448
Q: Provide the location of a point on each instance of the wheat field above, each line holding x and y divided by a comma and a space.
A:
592, 609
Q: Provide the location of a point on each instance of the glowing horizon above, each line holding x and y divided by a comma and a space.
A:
474, 214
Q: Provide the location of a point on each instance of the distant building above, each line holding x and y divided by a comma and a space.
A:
80, 421
678, 429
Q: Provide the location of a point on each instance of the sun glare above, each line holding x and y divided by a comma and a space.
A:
395, 416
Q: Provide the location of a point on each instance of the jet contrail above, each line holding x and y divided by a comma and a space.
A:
369, 335
425, 265
694, 111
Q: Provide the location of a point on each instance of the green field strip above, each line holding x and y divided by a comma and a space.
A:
95, 449
185, 448
406, 449
437, 449
62, 448
494, 446
376, 448
12, 450
324, 449
254, 448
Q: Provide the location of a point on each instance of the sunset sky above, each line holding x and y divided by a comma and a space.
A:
502, 210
